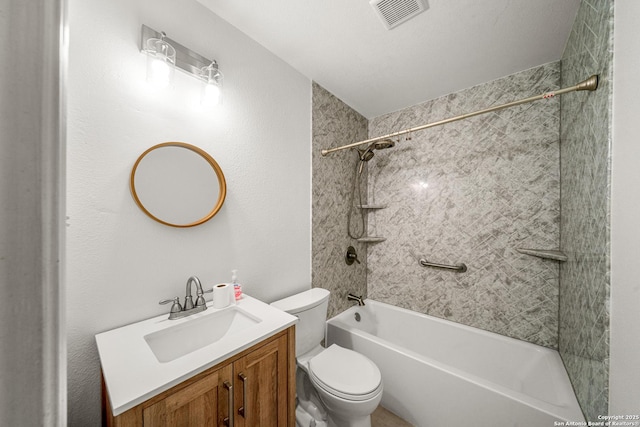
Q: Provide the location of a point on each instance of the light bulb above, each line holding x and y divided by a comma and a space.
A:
212, 91
211, 95
160, 73
161, 59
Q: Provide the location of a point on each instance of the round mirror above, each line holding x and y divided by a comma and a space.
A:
178, 184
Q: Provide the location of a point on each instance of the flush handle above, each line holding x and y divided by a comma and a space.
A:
228, 421
243, 410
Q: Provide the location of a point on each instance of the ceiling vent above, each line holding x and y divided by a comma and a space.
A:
395, 12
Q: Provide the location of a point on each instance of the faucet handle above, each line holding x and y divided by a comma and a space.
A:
200, 300
176, 307
351, 256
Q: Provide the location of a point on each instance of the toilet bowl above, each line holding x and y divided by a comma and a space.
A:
348, 384
336, 386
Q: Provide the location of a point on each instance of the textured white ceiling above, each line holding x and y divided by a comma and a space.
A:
455, 44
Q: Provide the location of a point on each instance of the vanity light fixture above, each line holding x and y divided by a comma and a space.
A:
161, 60
212, 90
163, 53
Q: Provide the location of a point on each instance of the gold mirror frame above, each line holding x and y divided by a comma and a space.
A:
214, 165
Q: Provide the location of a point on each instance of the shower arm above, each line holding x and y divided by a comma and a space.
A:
590, 84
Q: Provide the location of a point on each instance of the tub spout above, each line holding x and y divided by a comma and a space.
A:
359, 299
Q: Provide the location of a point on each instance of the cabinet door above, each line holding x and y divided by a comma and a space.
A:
261, 386
201, 404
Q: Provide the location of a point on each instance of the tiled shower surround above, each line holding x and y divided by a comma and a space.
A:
585, 170
334, 123
472, 192
476, 190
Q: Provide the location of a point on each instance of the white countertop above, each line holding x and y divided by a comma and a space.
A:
133, 374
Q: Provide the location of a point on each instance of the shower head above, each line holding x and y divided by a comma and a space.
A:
385, 143
367, 154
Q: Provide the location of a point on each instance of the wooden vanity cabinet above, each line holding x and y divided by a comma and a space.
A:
258, 379
261, 378
201, 403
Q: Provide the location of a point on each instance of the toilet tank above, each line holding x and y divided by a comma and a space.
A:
310, 307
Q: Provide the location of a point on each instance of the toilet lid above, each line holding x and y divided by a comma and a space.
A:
345, 372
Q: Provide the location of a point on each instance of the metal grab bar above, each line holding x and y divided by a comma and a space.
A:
460, 268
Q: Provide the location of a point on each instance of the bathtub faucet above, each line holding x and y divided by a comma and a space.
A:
352, 297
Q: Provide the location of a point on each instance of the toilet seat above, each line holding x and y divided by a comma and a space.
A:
345, 373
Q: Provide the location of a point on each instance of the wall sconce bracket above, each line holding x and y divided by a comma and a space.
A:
186, 60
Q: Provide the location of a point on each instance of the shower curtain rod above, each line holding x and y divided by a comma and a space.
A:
590, 84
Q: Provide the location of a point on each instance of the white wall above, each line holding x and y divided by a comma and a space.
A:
624, 374
120, 262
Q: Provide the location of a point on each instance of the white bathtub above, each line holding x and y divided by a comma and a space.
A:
438, 373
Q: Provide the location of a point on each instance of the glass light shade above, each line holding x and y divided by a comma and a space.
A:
161, 60
212, 90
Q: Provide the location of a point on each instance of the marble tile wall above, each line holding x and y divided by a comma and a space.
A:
334, 123
585, 173
472, 191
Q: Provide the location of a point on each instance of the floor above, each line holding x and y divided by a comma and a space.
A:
383, 418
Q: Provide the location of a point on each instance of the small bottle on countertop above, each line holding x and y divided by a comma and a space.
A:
237, 288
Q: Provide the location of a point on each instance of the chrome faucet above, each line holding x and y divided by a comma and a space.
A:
179, 311
188, 299
358, 299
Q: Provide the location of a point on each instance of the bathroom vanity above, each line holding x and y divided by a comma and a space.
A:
244, 376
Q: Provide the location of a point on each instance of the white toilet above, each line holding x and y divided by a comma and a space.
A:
348, 384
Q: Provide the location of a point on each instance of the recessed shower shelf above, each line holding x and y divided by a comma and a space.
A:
372, 206
371, 239
544, 253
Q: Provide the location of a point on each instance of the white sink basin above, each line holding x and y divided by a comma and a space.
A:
145, 358
184, 338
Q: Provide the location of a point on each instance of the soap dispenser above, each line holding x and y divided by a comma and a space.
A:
237, 288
